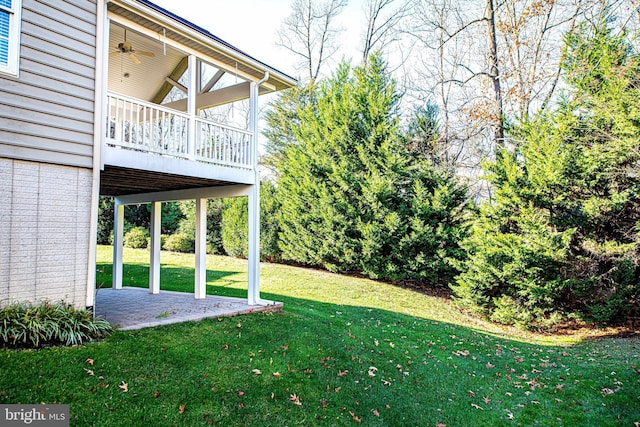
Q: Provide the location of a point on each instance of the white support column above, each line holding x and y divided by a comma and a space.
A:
201, 249
253, 295
118, 237
191, 104
154, 260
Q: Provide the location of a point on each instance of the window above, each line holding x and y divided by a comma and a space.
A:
9, 36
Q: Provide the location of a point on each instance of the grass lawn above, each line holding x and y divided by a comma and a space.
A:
344, 351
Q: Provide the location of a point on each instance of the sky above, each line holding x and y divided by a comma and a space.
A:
251, 25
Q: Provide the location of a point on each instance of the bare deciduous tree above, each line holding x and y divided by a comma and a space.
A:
383, 21
310, 32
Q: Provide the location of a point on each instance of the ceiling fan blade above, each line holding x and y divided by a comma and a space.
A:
114, 53
149, 54
134, 59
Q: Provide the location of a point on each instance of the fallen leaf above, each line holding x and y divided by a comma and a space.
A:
124, 386
323, 403
487, 400
376, 413
355, 418
256, 372
89, 361
476, 406
295, 399
156, 394
441, 425
89, 371
606, 391
241, 393
343, 373
239, 325
472, 394
182, 407
276, 374
285, 347
226, 346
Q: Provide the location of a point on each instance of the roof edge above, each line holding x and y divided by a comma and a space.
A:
145, 7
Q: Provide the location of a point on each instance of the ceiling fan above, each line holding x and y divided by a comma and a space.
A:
127, 48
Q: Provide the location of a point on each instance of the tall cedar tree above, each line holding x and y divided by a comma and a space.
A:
561, 235
353, 197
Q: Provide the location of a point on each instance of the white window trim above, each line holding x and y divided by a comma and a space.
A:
13, 55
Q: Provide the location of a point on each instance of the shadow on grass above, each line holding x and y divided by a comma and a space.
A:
171, 278
325, 364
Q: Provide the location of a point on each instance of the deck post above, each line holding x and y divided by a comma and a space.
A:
201, 249
192, 92
118, 237
254, 245
154, 261
253, 294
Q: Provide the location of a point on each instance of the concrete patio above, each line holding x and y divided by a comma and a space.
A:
135, 308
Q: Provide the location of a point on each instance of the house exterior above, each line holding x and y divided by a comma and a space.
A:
119, 98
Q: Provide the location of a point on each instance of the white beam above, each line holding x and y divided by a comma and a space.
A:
212, 81
222, 96
118, 235
200, 288
175, 84
189, 194
154, 261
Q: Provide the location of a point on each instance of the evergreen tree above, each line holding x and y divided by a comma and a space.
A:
353, 197
561, 234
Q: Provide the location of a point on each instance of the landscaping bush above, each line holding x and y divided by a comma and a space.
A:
179, 242
235, 224
25, 325
136, 238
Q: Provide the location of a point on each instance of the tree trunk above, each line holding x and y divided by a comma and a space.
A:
494, 74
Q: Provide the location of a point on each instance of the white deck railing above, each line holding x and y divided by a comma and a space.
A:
142, 126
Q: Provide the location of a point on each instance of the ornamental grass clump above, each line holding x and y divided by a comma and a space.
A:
24, 325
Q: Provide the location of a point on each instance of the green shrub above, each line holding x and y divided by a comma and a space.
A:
36, 325
136, 238
235, 227
179, 242
235, 224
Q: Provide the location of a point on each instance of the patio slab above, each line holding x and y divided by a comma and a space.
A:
135, 308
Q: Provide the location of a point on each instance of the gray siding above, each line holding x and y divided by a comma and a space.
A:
46, 114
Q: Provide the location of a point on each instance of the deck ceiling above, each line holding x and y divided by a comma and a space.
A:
143, 80
217, 52
116, 181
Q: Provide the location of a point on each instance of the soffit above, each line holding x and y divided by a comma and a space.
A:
217, 50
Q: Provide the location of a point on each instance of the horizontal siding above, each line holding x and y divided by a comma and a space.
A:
47, 114
22, 153
40, 92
